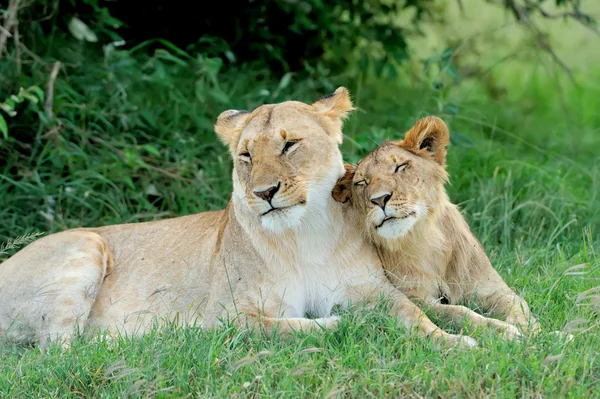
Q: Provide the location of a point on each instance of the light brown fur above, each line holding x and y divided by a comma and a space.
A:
426, 245
280, 249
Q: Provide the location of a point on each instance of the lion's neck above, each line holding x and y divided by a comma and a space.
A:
423, 252
309, 243
436, 255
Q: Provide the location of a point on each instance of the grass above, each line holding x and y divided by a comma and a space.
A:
132, 141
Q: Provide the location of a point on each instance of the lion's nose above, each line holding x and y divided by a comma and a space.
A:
381, 200
269, 193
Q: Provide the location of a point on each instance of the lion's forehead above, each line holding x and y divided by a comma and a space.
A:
269, 121
382, 161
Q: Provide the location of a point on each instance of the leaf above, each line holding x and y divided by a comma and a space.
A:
230, 56
212, 66
285, 81
129, 182
39, 92
150, 189
81, 31
3, 127
147, 117
174, 48
33, 99
10, 104
165, 55
8, 107
199, 91
151, 150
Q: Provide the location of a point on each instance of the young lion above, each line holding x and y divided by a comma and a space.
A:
280, 249
422, 239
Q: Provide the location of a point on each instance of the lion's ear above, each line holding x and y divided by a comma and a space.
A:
429, 135
229, 127
343, 188
332, 110
335, 105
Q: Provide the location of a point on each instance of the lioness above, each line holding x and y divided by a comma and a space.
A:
424, 242
280, 249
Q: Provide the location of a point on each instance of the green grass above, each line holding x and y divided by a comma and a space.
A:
133, 141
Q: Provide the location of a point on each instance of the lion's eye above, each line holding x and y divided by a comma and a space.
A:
401, 167
362, 182
288, 145
245, 156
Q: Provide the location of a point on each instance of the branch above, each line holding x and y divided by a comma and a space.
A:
17, 41
10, 21
50, 89
522, 15
577, 15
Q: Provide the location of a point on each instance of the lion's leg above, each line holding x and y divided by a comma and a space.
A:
457, 313
286, 325
50, 286
495, 296
406, 312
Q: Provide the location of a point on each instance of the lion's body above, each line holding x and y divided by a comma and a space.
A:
120, 277
115, 277
442, 261
280, 249
424, 242
440, 258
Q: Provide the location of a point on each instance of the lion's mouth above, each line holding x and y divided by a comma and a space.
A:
385, 219
281, 208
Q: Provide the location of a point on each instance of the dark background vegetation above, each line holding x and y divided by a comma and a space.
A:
125, 131
106, 116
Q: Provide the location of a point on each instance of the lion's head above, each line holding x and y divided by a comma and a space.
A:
286, 156
399, 184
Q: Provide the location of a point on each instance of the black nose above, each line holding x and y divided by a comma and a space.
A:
269, 193
381, 201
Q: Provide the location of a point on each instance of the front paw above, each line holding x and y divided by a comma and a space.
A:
461, 341
511, 332
329, 322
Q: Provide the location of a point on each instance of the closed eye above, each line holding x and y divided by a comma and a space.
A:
362, 182
288, 145
245, 156
401, 167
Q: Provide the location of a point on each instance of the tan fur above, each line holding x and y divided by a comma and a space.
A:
426, 246
281, 248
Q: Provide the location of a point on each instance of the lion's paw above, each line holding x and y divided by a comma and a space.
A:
462, 341
511, 332
329, 322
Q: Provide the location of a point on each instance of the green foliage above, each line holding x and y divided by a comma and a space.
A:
11, 246
285, 36
32, 95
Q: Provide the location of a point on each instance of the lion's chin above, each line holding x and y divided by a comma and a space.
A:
281, 219
395, 228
